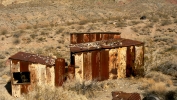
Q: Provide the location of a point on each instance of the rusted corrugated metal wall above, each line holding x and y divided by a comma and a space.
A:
122, 59
59, 71
92, 37
40, 74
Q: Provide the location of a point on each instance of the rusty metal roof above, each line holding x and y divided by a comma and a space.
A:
34, 58
104, 44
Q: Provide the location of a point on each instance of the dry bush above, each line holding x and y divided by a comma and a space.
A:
4, 32
166, 22
48, 93
16, 41
167, 67
121, 24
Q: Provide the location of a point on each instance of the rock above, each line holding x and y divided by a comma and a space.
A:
142, 17
5, 77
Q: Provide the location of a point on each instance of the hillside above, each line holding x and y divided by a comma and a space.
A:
43, 27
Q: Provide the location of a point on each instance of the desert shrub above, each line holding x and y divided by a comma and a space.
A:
175, 21
18, 34
44, 33
166, 22
33, 36
167, 67
83, 22
121, 24
135, 22
16, 41
60, 30
41, 39
4, 32
48, 93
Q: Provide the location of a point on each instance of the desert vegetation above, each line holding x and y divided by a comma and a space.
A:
44, 27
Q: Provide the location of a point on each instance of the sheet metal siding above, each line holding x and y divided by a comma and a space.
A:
71, 72
24, 68
122, 62
87, 69
59, 71
50, 75
86, 38
16, 89
113, 64
79, 66
95, 65
130, 60
118, 95
139, 56
91, 37
33, 76
104, 65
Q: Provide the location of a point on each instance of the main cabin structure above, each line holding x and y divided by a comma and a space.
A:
102, 56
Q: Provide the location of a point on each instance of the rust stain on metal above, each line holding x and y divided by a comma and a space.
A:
95, 65
86, 38
122, 62
104, 64
16, 89
50, 75
33, 76
119, 95
113, 66
24, 68
34, 58
87, 69
80, 38
103, 44
71, 72
130, 60
104, 36
59, 71
139, 56
79, 66
73, 38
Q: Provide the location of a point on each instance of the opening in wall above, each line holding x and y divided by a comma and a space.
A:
21, 77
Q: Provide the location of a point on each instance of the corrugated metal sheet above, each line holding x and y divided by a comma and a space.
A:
130, 60
104, 44
33, 58
87, 69
104, 64
122, 59
139, 60
59, 71
24, 68
71, 72
113, 64
92, 37
16, 89
95, 65
118, 95
79, 66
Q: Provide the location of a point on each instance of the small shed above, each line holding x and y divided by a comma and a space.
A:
30, 70
102, 56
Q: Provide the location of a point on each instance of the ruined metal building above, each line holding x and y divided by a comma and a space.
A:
30, 70
94, 56
102, 56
